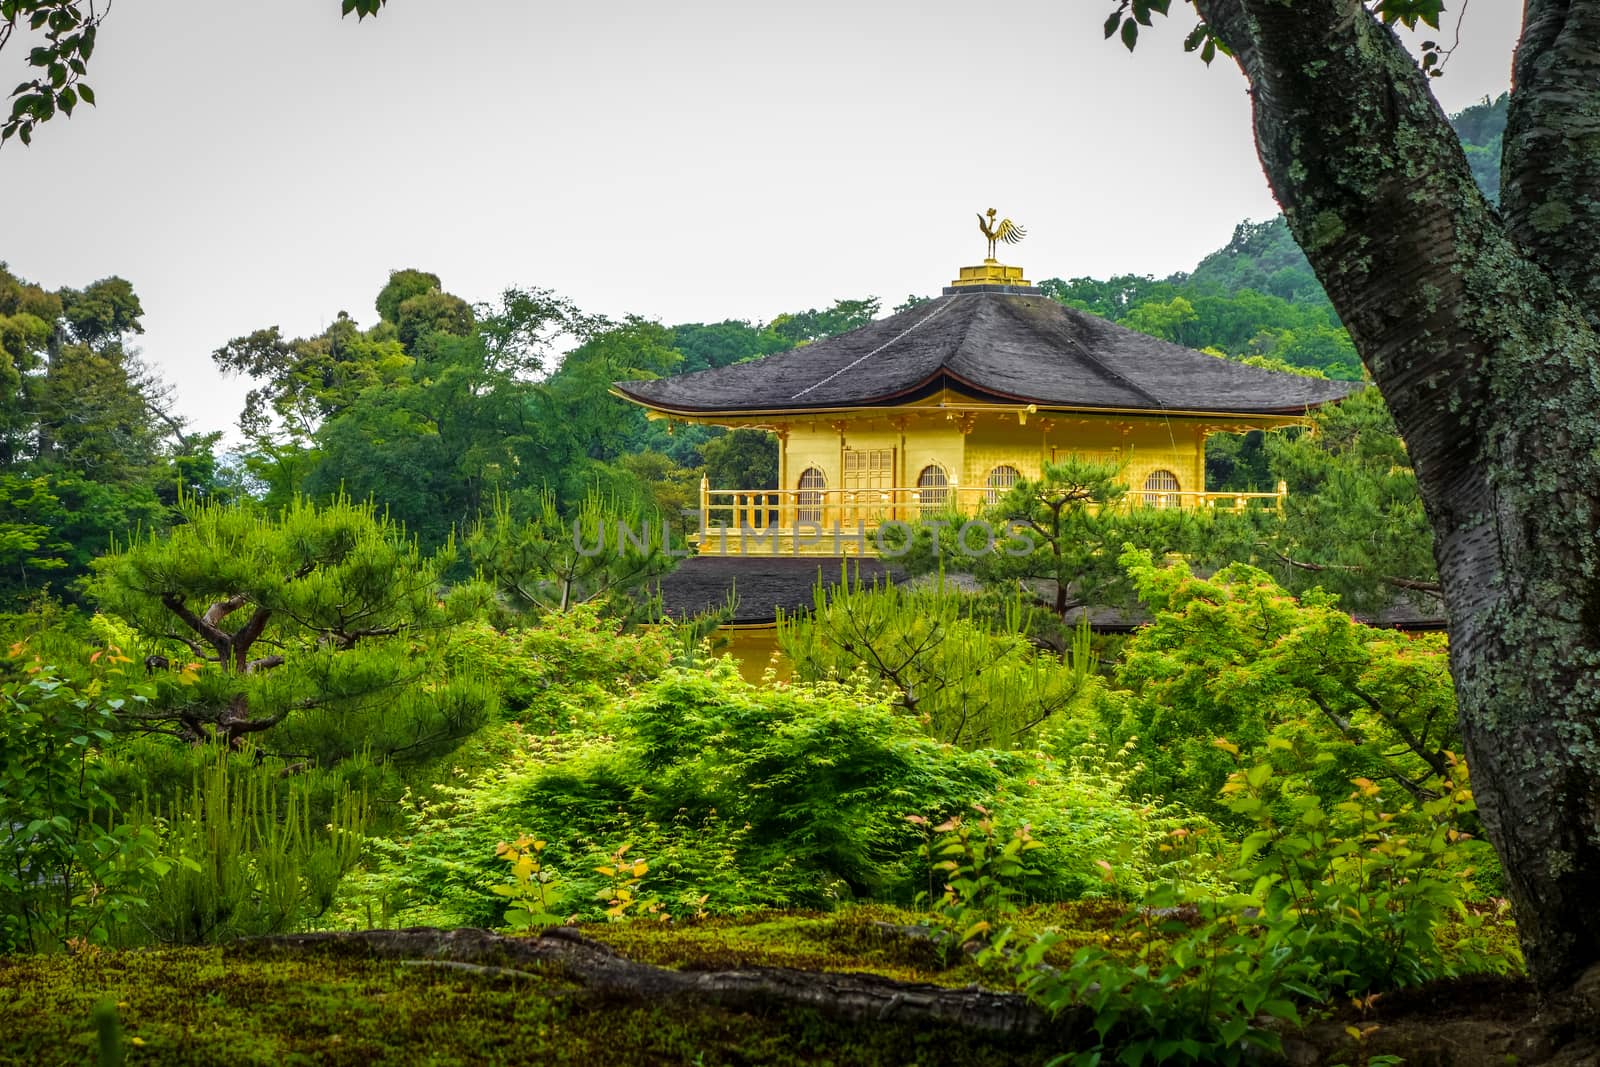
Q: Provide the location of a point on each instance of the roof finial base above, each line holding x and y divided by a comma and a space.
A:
990, 272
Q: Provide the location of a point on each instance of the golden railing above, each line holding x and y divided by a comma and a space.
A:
788, 509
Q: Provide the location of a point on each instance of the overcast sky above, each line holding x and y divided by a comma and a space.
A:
257, 164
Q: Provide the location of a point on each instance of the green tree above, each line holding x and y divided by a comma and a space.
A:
307, 381
432, 425
312, 623
1354, 522
970, 675
1059, 536
88, 447
741, 459
802, 327
1171, 320
1480, 327
602, 553
721, 344
601, 425
71, 868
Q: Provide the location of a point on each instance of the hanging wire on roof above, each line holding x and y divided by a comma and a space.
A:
935, 313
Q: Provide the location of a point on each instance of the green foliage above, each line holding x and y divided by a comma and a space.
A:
1482, 129
1354, 522
68, 30
345, 603
1371, 882
416, 305
621, 894
244, 855
603, 427
802, 327
743, 797
982, 869
559, 670
603, 554
1328, 900
967, 673
531, 892
88, 450
312, 379
721, 344
1059, 536
432, 412
741, 459
72, 870
1234, 655
1262, 257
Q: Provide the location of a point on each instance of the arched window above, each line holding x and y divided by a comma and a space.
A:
1001, 479
933, 491
1160, 490
812, 482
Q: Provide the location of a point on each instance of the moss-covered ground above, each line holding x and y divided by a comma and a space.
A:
206, 1006
867, 939
210, 1006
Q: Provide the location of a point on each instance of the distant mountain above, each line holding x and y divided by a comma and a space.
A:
1263, 256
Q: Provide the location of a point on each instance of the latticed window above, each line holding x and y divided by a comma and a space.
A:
812, 482
933, 488
868, 475
868, 468
1161, 489
1001, 479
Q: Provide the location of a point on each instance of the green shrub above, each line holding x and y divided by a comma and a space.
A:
553, 673
245, 856
70, 868
1235, 656
1337, 900
741, 797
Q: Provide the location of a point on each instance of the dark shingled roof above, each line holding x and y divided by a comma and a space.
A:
1004, 346
765, 583
762, 583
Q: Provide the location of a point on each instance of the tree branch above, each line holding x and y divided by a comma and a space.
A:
175, 604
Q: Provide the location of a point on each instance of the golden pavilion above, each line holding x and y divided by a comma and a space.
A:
952, 401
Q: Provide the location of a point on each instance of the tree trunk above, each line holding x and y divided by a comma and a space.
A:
1483, 349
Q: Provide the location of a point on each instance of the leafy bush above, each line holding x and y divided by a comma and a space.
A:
242, 861
740, 797
1336, 900
1234, 655
556, 672
70, 869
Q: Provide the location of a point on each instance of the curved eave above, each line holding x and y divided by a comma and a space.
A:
982, 397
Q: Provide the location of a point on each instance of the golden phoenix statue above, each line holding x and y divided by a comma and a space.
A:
1006, 231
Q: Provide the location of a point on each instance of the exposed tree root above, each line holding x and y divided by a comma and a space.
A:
600, 969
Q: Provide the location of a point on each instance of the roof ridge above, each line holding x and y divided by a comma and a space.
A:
935, 313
